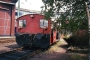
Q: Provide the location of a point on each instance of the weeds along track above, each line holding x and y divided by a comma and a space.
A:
19, 54
7, 40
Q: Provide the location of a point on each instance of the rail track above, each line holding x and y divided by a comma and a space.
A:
19, 54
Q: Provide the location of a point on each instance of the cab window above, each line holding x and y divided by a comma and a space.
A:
43, 23
22, 23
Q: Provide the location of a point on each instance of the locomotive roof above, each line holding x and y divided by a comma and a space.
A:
29, 14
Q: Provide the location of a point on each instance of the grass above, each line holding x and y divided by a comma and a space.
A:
79, 57
76, 54
55, 46
79, 54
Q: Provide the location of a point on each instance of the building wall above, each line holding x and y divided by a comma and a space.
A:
7, 18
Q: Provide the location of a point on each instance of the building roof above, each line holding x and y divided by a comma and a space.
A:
27, 10
11, 2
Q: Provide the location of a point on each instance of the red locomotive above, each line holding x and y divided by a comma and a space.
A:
34, 31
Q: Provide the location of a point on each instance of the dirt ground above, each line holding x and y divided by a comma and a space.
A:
57, 52
7, 40
7, 44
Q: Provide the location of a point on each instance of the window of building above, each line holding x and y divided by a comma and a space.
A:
16, 13
20, 13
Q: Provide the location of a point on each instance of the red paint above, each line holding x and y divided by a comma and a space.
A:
7, 19
33, 25
53, 37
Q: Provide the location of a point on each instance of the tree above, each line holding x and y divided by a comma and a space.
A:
73, 10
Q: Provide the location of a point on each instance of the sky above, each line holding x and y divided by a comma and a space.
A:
31, 4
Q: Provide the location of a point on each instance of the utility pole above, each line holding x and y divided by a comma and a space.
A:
18, 8
88, 13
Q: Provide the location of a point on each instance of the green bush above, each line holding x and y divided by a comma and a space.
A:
79, 38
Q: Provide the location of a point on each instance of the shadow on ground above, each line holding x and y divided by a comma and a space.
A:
12, 46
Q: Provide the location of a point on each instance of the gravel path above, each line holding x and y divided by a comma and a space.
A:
59, 53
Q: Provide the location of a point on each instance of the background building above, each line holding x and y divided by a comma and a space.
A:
7, 17
25, 11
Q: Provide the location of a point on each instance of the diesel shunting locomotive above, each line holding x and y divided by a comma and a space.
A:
35, 31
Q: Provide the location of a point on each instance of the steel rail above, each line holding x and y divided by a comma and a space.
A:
11, 51
19, 54
29, 55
